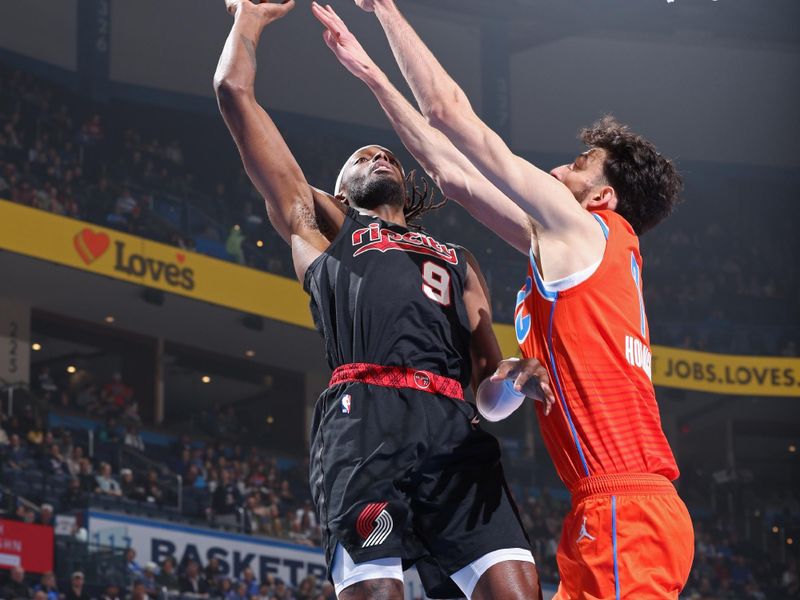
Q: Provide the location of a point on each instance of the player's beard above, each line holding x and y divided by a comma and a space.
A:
371, 192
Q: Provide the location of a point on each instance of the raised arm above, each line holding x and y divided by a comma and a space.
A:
294, 208
447, 108
450, 170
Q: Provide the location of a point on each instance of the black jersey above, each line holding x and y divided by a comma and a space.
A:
389, 295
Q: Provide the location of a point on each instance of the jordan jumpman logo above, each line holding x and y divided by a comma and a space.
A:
583, 533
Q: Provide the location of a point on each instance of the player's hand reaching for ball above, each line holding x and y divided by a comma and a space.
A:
343, 43
267, 11
529, 377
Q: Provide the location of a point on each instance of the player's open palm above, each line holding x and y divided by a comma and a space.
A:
343, 43
266, 11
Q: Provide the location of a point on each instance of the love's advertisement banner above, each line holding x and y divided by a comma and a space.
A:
107, 252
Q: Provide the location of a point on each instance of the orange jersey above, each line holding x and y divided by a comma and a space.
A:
594, 340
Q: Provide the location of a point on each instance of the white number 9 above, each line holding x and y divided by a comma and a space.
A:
436, 283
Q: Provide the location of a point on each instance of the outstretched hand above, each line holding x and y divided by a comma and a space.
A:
266, 11
367, 5
343, 43
530, 378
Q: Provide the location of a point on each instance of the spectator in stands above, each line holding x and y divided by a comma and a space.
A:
239, 592
108, 433
166, 578
86, 476
193, 583
307, 589
133, 438
116, 394
53, 463
221, 590
17, 454
271, 517
225, 500
132, 567
106, 484
149, 579
39, 595
88, 399
138, 591
152, 488
48, 585
45, 384
181, 466
213, 571
129, 487
76, 591
305, 521
195, 478
111, 593
46, 516
250, 582
233, 245
74, 497
74, 461
282, 591
15, 586
35, 438
65, 445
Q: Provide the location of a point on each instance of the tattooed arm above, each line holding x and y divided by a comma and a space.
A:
295, 209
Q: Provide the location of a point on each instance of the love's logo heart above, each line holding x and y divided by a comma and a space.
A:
90, 245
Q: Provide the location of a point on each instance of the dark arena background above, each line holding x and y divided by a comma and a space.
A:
158, 361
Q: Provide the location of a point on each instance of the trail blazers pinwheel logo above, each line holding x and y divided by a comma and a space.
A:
374, 524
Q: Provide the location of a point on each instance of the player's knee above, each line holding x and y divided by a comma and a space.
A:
510, 580
373, 589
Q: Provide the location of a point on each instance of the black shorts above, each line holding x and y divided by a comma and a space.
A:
399, 472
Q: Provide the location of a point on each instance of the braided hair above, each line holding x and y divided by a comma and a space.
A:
420, 199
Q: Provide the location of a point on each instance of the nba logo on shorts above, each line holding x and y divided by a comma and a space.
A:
346, 404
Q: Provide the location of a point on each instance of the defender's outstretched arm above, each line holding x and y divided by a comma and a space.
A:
452, 172
447, 108
290, 201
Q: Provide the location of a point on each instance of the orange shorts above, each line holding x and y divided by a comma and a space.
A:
627, 536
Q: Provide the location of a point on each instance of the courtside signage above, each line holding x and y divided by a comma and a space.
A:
704, 371
27, 546
726, 373
155, 540
107, 252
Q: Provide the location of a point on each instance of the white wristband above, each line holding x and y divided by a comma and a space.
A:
497, 400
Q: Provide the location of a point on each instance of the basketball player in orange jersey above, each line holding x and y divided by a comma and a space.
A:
580, 311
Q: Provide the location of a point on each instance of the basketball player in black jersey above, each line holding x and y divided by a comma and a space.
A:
401, 473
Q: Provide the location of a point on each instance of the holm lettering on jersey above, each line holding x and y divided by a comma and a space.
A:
638, 355
383, 240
